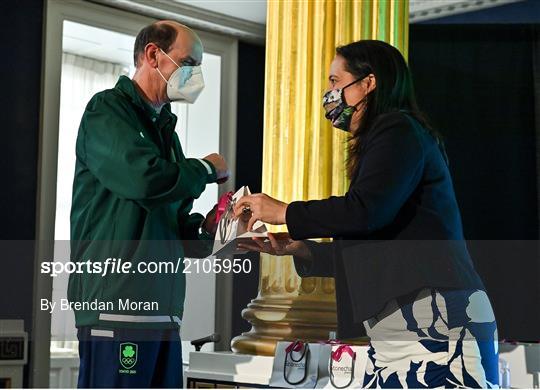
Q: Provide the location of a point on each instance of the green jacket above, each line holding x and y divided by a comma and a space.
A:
133, 191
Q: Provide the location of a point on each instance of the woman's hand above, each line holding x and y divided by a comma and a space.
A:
260, 207
279, 244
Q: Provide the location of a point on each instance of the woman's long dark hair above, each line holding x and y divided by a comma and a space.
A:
394, 90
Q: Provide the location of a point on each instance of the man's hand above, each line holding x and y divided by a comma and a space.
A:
210, 223
220, 164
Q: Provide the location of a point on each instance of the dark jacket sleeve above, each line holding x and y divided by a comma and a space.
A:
129, 164
322, 262
391, 168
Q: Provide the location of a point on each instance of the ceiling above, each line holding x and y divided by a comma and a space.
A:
255, 10
114, 47
251, 10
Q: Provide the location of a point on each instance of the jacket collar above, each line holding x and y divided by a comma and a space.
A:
127, 87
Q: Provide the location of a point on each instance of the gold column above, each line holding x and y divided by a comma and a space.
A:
303, 155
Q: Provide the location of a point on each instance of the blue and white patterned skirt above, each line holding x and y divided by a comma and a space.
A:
440, 338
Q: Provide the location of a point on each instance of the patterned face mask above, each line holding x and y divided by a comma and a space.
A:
337, 109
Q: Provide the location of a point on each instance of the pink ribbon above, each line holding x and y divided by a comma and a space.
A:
336, 355
222, 204
330, 341
295, 346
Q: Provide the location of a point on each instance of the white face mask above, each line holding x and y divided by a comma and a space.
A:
185, 84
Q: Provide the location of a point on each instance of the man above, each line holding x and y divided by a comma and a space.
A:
132, 196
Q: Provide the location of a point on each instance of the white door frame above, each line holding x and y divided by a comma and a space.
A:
128, 23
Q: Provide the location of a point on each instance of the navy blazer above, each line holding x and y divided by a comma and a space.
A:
396, 230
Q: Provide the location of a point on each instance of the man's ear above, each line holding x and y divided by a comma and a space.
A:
372, 82
150, 54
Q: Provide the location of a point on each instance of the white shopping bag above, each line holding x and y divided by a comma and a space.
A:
297, 364
230, 229
344, 367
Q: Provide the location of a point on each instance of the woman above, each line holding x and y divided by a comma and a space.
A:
398, 256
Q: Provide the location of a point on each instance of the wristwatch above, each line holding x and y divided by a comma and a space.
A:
203, 233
